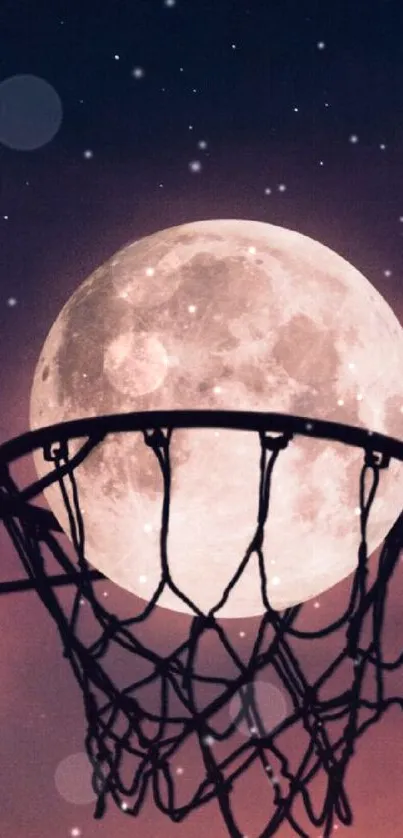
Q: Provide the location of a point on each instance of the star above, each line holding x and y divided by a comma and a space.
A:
195, 166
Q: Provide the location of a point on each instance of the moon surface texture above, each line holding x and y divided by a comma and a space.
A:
233, 315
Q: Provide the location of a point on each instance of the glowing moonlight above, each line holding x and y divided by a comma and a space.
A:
226, 314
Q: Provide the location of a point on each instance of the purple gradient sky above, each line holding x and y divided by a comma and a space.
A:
278, 92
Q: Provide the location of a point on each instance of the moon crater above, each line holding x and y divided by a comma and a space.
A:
315, 350
135, 363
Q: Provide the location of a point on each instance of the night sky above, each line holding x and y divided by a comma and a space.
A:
119, 119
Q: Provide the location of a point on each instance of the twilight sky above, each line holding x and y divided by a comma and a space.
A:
119, 119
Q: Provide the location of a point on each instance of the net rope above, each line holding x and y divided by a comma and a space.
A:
177, 671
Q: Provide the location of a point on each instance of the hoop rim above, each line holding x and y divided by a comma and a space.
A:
99, 427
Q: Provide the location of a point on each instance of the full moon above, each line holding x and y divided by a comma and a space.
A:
230, 315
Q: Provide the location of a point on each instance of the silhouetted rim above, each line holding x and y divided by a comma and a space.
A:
99, 427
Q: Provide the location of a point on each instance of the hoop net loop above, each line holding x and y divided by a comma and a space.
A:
119, 720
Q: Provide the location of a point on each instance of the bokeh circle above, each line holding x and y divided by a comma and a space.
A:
271, 706
30, 112
73, 779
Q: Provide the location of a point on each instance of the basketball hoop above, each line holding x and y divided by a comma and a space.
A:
117, 719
